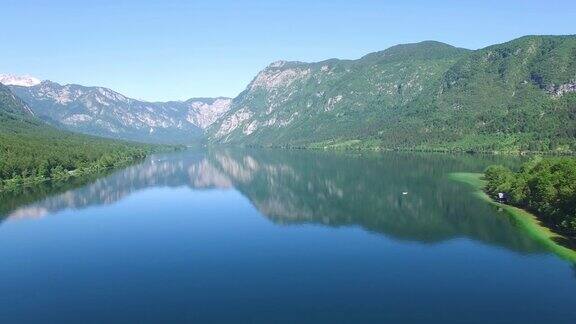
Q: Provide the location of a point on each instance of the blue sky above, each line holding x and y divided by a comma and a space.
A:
161, 50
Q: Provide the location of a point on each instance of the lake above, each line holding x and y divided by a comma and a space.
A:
276, 236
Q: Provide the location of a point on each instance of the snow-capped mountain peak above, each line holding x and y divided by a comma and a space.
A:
19, 80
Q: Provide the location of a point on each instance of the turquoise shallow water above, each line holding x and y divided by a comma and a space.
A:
267, 236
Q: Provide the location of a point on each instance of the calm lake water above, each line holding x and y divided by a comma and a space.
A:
271, 236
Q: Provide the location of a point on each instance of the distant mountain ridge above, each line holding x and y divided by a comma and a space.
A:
516, 96
104, 112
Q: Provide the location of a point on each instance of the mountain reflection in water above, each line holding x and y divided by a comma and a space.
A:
328, 188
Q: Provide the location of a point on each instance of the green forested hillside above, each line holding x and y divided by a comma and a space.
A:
515, 96
33, 151
294, 103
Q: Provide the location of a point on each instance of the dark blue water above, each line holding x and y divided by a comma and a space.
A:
276, 237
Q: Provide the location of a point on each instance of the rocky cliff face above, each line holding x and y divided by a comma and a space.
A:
103, 112
203, 112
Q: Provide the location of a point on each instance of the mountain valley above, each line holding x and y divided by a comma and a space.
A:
511, 97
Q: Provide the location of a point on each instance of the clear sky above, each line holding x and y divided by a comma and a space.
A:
161, 50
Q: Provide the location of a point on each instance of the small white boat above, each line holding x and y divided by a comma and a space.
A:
404, 192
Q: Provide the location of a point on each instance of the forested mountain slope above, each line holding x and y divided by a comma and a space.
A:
30, 150
518, 95
514, 96
293, 103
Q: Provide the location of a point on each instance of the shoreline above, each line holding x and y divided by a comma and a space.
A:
14, 184
526, 220
95, 167
343, 148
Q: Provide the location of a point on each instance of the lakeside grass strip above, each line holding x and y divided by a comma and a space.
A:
525, 220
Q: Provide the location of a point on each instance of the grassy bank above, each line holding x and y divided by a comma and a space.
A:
525, 220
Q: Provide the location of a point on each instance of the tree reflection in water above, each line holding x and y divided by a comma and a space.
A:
296, 187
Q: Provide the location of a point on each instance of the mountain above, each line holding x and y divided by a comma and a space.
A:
295, 103
31, 150
514, 96
103, 112
519, 95
12, 106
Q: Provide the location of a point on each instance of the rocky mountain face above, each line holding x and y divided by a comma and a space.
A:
514, 96
103, 112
